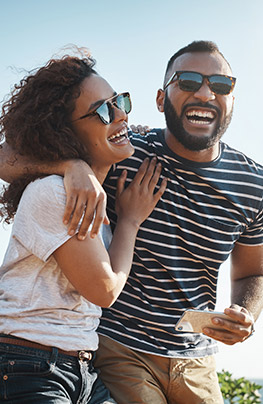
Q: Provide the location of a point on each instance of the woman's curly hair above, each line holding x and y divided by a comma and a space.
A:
36, 120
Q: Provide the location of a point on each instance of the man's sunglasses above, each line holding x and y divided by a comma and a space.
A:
192, 81
106, 111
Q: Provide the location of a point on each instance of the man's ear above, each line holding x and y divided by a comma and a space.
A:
160, 100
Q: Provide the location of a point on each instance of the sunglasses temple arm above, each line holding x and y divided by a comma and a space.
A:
170, 80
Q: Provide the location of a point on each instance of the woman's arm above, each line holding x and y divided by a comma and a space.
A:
99, 275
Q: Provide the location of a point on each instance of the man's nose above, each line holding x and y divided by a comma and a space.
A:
205, 93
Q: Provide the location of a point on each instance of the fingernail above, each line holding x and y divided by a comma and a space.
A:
65, 221
216, 321
71, 232
81, 238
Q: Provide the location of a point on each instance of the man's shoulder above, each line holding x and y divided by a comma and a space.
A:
155, 135
240, 159
151, 142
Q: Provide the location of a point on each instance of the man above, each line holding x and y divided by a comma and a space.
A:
212, 208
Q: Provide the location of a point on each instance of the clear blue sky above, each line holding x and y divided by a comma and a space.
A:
132, 42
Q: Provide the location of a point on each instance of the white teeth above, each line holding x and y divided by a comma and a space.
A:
119, 140
199, 122
201, 114
119, 134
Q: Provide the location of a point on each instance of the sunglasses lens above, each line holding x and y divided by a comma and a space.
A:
190, 81
106, 110
220, 84
123, 102
104, 113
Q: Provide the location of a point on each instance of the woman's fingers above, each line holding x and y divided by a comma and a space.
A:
121, 182
160, 191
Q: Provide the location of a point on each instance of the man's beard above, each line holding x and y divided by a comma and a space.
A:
193, 142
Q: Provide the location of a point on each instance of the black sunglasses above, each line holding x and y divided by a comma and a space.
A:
192, 81
106, 111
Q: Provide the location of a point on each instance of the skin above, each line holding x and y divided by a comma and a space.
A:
102, 279
205, 63
13, 165
95, 135
108, 270
83, 190
246, 261
103, 153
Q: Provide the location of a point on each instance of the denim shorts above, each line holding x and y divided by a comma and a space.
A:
35, 376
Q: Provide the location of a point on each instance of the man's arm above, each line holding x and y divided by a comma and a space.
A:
84, 192
247, 278
246, 295
13, 165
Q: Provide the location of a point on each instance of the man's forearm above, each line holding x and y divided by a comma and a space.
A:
14, 165
86, 198
248, 293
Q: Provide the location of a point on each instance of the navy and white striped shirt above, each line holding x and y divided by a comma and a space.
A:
205, 210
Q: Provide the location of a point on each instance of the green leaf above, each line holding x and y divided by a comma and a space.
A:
241, 390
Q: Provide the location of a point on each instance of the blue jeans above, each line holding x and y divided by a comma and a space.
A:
35, 376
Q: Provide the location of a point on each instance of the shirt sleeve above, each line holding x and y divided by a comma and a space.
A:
253, 235
38, 224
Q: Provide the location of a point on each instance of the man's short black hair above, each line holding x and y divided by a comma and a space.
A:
195, 46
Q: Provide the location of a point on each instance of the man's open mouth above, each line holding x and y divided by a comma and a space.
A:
198, 116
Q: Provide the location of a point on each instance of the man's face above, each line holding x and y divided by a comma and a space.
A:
198, 119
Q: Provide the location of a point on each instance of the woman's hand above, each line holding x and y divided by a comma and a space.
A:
101, 274
136, 202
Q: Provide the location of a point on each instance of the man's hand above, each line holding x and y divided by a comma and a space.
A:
142, 130
234, 331
85, 199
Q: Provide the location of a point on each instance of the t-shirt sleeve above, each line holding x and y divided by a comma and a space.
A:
38, 223
253, 235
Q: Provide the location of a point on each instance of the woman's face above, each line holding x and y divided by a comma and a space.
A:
106, 144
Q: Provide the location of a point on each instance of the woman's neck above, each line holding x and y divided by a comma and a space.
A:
100, 172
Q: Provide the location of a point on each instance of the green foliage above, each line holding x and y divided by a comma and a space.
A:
238, 391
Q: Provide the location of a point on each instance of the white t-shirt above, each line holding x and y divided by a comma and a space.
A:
37, 302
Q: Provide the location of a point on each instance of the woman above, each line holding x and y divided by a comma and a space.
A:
51, 284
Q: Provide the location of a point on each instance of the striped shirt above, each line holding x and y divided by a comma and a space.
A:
205, 210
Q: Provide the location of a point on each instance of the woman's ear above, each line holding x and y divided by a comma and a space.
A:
160, 100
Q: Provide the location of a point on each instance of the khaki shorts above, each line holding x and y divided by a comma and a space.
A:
134, 377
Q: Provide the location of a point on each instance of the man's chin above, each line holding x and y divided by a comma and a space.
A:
196, 142
199, 130
191, 136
